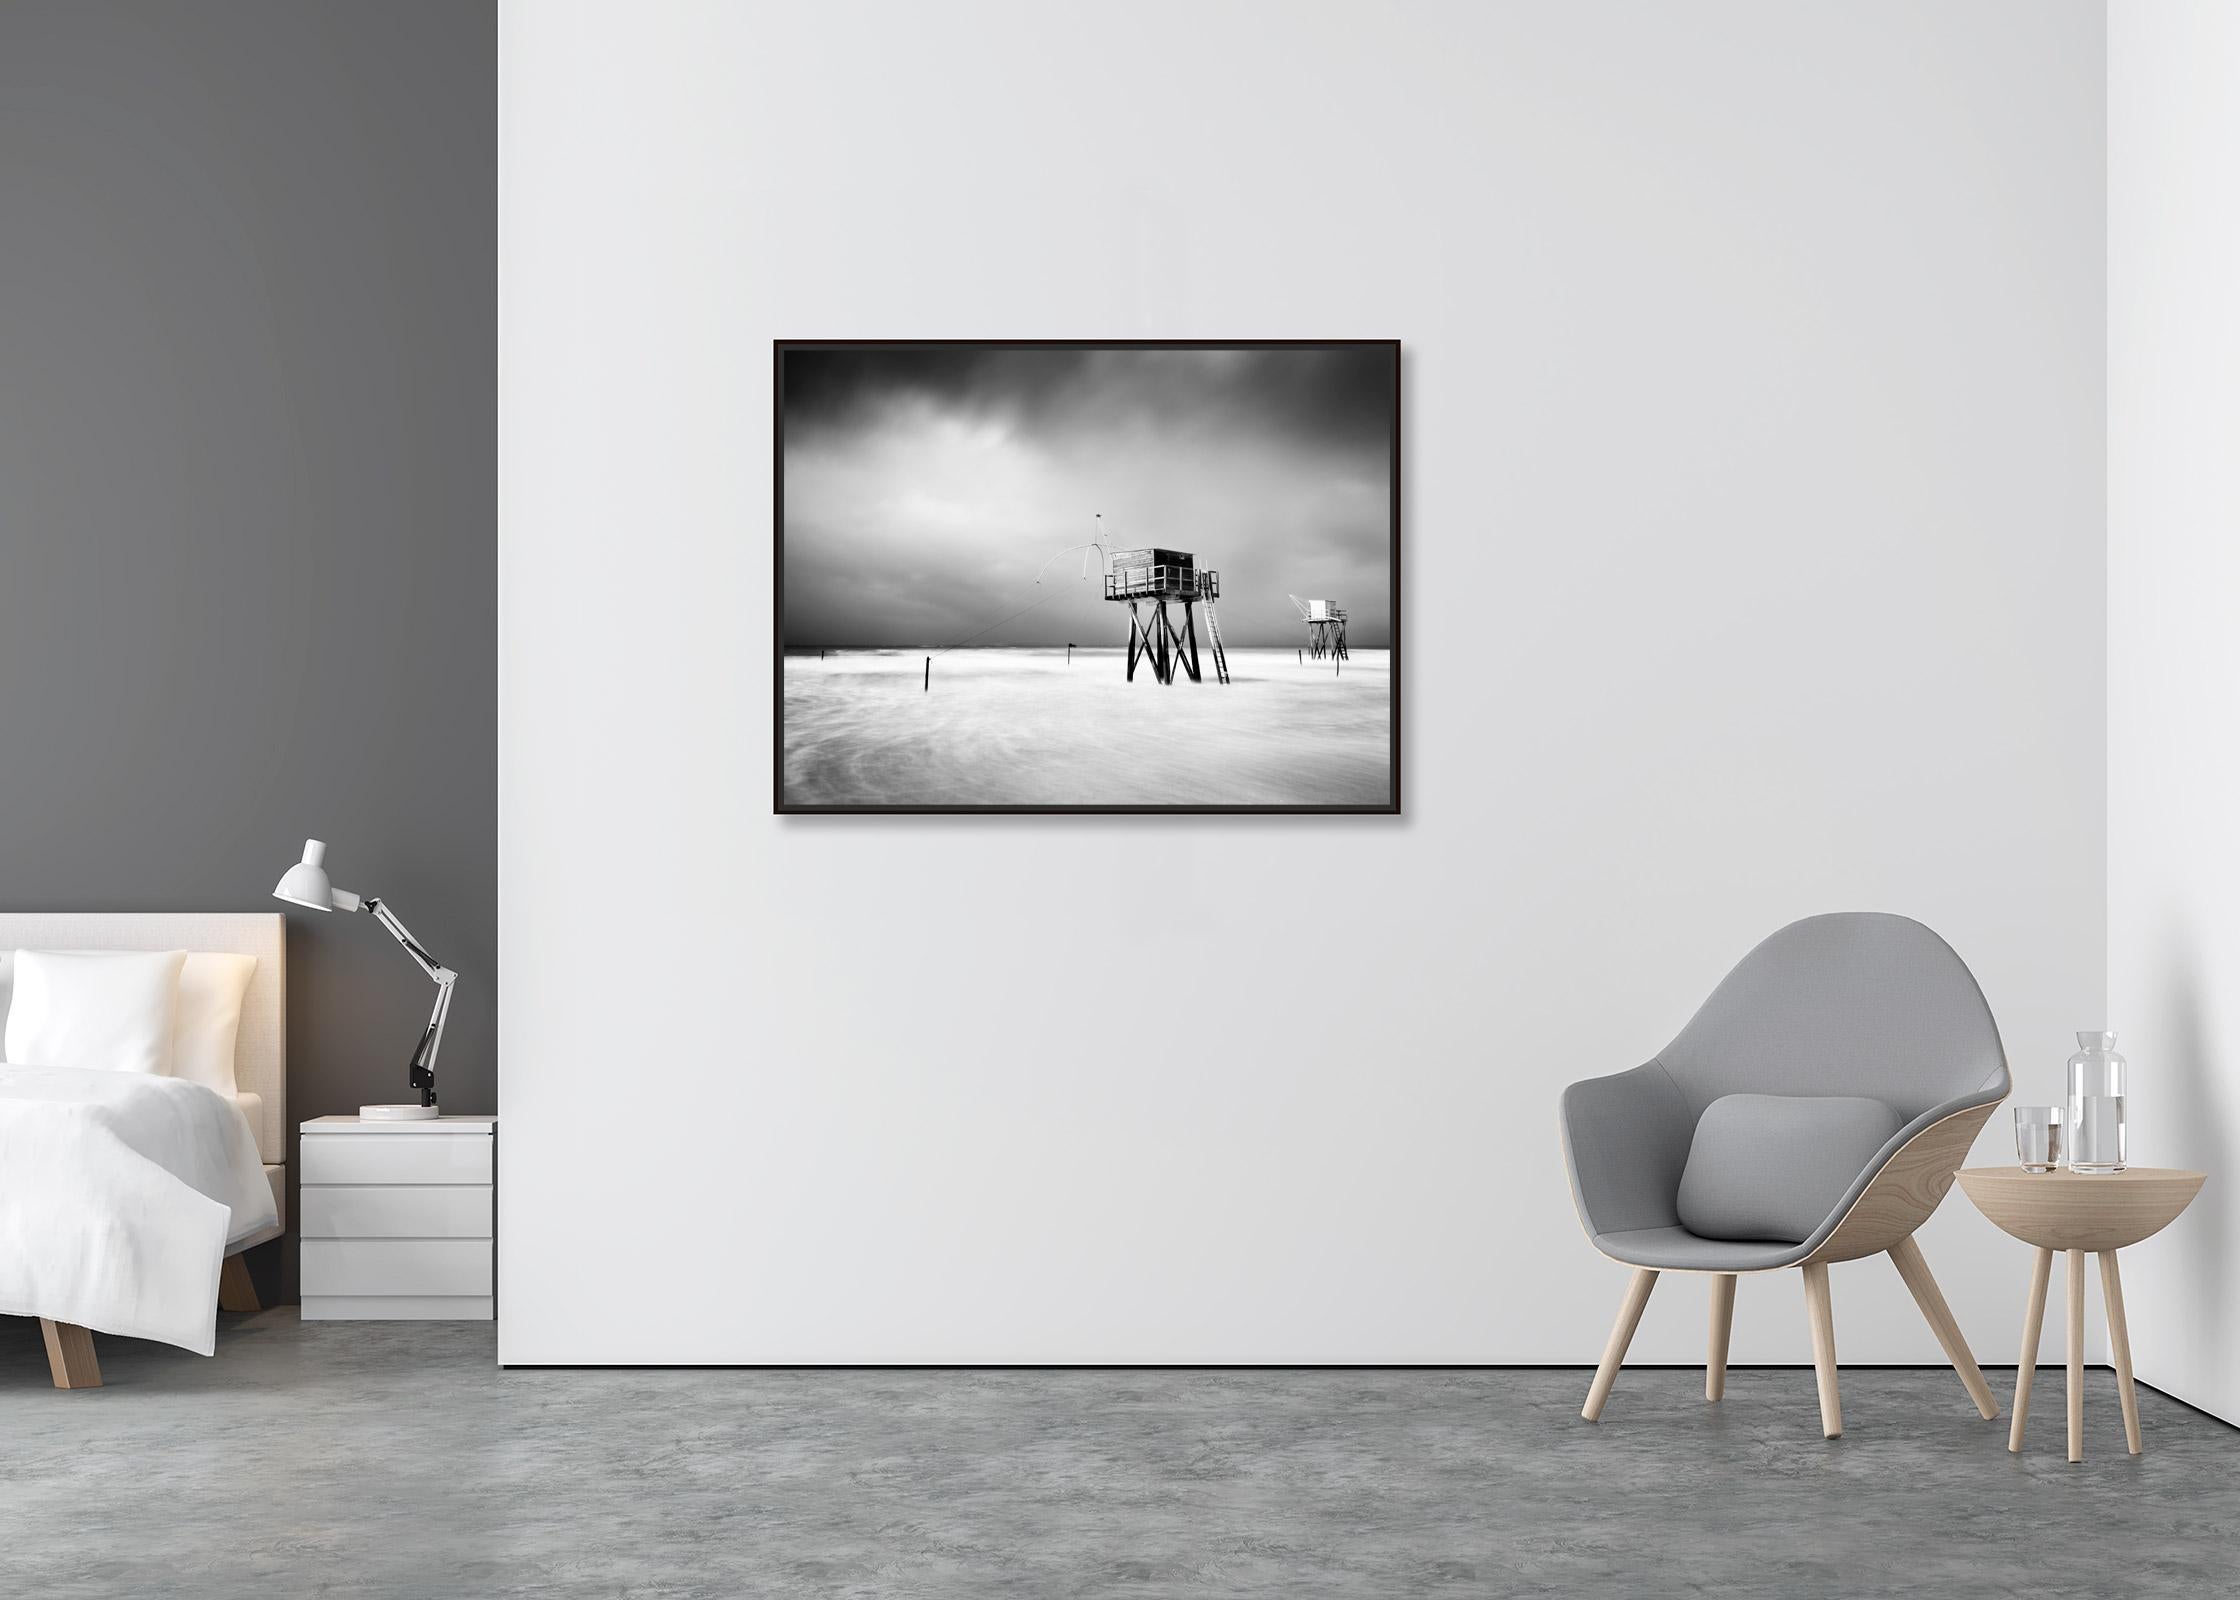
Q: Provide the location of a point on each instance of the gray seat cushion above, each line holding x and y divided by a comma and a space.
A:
1773, 1166
1678, 1250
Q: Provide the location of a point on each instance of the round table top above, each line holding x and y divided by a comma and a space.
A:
2081, 1210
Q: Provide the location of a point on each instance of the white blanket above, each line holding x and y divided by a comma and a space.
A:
119, 1193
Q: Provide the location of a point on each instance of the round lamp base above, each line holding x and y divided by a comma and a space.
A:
397, 1113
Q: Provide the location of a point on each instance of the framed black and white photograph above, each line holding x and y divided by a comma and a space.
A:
1072, 576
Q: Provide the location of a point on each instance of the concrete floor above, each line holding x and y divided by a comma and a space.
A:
364, 1459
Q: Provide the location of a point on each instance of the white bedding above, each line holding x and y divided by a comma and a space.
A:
119, 1193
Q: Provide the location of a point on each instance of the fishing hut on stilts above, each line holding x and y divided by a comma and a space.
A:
1148, 582
1326, 628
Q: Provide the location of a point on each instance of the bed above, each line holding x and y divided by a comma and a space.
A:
167, 1151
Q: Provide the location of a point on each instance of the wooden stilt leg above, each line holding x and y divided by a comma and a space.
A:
2033, 1321
70, 1355
1821, 1309
1614, 1353
2076, 1355
1722, 1325
2119, 1346
1930, 1299
236, 1291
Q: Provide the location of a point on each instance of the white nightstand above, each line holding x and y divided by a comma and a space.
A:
397, 1219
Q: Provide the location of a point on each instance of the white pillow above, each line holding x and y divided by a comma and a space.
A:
115, 1012
211, 985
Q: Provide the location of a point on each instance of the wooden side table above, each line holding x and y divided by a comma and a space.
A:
2074, 1212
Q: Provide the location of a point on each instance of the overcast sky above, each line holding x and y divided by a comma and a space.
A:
925, 488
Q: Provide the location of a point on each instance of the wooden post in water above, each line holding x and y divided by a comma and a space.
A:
1069, 652
1302, 658
929, 675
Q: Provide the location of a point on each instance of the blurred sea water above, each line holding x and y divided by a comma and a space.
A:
1021, 727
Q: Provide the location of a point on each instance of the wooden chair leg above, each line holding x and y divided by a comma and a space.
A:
2033, 1322
1614, 1353
1930, 1299
236, 1290
2119, 1346
2076, 1354
70, 1355
1821, 1308
1722, 1326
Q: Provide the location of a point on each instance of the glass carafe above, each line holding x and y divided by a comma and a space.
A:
2096, 1091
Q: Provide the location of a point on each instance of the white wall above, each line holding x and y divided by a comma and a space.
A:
2174, 662
1754, 388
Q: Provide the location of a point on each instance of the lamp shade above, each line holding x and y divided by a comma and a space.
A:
305, 883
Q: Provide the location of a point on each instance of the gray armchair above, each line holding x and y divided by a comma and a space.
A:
1813, 1111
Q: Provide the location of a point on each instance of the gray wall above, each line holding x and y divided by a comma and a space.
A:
248, 327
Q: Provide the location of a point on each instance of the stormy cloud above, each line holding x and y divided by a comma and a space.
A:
926, 488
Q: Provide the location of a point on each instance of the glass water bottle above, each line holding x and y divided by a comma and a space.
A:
2096, 1089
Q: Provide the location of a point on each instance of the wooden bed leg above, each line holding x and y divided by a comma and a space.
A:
70, 1355
236, 1291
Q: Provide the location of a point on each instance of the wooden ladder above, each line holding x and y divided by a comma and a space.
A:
1213, 634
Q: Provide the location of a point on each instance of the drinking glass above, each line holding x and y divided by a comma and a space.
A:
2037, 1137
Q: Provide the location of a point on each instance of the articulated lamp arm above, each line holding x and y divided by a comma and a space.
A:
423, 1067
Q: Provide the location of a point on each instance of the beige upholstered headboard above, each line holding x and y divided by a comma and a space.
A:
260, 1051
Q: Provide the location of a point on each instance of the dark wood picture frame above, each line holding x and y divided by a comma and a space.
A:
782, 807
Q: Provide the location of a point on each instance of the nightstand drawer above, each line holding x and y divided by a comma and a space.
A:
396, 1211
397, 1267
397, 1158
398, 1308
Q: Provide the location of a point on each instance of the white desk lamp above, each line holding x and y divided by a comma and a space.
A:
306, 885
